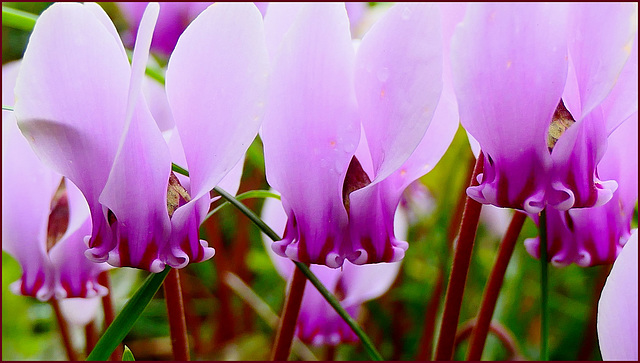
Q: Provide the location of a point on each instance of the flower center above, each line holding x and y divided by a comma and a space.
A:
177, 195
560, 122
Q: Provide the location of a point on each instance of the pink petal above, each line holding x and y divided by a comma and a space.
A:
310, 132
398, 82
216, 80
618, 307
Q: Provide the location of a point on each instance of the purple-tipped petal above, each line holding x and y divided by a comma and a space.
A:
618, 307
216, 81
398, 82
600, 42
310, 132
508, 96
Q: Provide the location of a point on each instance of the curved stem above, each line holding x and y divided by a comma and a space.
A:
287, 326
64, 331
544, 289
459, 270
492, 290
175, 311
505, 337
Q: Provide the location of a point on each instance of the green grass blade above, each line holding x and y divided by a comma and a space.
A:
127, 317
18, 19
127, 355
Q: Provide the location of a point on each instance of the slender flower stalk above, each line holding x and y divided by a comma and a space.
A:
90, 336
64, 331
109, 311
175, 311
505, 337
492, 290
544, 289
287, 326
459, 270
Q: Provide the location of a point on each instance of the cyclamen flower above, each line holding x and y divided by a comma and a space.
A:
339, 190
594, 236
44, 222
80, 104
532, 81
618, 307
318, 323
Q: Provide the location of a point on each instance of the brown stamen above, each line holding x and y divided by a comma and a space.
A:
561, 121
177, 195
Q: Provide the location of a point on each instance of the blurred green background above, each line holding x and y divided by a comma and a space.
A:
222, 326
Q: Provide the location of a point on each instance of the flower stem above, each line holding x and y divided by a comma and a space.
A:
459, 270
175, 311
544, 289
499, 331
64, 331
430, 316
109, 310
91, 336
287, 327
492, 290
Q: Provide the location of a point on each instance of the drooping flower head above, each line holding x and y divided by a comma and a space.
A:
318, 323
532, 82
85, 115
340, 190
618, 307
45, 218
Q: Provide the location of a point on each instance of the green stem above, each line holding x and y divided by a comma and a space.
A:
18, 19
544, 305
123, 323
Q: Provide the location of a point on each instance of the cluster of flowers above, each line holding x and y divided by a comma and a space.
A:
347, 125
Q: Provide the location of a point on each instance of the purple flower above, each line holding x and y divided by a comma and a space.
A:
618, 307
44, 222
318, 323
81, 106
340, 190
532, 82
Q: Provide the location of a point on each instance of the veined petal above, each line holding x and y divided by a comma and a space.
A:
398, 81
508, 96
618, 307
311, 131
600, 41
27, 189
216, 83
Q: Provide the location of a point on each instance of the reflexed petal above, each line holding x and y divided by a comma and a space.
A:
277, 21
623, 99
158, 104
398, 82
618, 307
507, 96
216, 80
310, 132
27, 189
185, 245
600, 51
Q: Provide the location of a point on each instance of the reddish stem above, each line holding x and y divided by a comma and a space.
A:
289, 317
91, 336
175, 311
109, 311
459, 270
492, 290
64, 331
426, 347
498, 330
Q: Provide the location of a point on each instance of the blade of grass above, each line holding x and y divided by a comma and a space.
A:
18, 19
123, 323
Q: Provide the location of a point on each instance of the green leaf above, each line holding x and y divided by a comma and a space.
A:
18, 19
127, 317
127, 355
